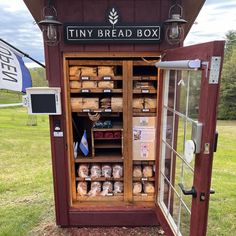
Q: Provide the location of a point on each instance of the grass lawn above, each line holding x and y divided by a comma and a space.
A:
7, 97
26, 191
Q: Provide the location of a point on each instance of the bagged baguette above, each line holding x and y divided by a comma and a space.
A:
83, 171
82, 188
95, 171
137, 172
95, 189
148, 187
118, 187
106, 171
147, 171
117, 171
107, 188
137, 187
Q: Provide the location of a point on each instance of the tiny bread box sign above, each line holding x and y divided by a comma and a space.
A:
144, 138
112, 31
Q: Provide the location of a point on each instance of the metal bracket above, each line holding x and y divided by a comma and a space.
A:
215, 70
197, 135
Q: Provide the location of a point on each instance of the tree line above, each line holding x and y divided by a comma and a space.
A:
227, 105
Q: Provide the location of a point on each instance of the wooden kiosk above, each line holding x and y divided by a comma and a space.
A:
138, 104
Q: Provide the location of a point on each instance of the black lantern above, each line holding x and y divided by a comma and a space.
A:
50, 25
174, 25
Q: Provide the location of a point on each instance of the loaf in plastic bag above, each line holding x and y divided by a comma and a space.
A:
118, 187
95, 171
83, 171
117, 171
82, 188
137, 172
148, 187
107, 188
137, 187
147, 171
95, 189
106, 171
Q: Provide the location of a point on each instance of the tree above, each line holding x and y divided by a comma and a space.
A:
227, 108
230, 44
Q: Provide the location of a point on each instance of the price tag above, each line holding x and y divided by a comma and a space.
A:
85, 90
107, 90
110, 194
87, 178
144, 179
145, 110
144, 194
145, 91
84, 78
86, 110
107, 78
107, 110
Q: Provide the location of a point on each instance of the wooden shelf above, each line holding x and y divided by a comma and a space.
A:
97, 78
144, 179
145, 91
96, 90
97, 110
116, 197
105, 158
139, 162
99, 179
114, 128
144, 197
108, 145
145, 78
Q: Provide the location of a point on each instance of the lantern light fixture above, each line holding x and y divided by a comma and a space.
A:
50, 25
174, 32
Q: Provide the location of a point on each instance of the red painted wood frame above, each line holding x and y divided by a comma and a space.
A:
208, 117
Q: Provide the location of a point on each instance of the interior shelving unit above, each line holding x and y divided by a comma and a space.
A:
131, 81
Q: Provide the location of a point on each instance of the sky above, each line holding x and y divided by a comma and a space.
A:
17, 26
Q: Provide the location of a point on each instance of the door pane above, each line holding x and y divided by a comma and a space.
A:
181, 96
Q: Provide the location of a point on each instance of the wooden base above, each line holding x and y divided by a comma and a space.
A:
105, 215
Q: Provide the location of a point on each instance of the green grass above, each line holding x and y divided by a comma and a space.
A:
25, 177
10, 97
26, 191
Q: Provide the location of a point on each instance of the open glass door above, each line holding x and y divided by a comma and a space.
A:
187, 136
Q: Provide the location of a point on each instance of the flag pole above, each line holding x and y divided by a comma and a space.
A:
24, 54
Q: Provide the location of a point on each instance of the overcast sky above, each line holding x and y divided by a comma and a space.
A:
17, 26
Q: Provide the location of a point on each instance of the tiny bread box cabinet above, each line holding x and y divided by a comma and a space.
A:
129, 102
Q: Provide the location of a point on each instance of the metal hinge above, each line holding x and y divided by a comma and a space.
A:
215, 70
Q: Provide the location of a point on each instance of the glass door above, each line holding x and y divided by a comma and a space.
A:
188, 120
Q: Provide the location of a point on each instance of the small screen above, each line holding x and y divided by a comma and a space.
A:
43, 103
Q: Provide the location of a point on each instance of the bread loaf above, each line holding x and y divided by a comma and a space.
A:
107, 187
138, 103
105, 71
148, 187
90, 103
106, 84
118, 187
137, 172
150, 103
147, 171
83, 170
75, 84
95, 171
116, 103
88, 71
89, 84
117, 171
137, 187
95, 189
106, 171
74, 71
82, 188
76, 103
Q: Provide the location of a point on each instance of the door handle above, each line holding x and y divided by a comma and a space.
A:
192, 191
216, 141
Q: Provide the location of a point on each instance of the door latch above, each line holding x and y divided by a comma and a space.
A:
203, 197
192, 191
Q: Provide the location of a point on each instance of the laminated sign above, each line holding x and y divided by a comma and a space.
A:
13, 73
144, 140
